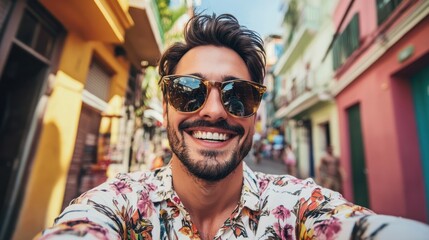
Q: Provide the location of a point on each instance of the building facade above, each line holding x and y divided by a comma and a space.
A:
303, 78
380, 56
356, 78
70, 77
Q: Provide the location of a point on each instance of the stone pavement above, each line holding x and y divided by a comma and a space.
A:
266, 165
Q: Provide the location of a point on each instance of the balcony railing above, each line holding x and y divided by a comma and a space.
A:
299, 86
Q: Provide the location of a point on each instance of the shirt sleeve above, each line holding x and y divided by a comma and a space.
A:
83, 222
100, 213
325, 214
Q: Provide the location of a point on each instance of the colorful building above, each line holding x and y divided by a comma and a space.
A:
70, 78
303, 100
381, 61
359, 82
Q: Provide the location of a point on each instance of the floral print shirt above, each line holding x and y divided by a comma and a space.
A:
144, 205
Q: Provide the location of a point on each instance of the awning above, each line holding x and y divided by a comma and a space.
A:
104, 21
150, 113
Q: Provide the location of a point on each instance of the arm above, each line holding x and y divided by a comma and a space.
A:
326, 215
101, 213
84, 222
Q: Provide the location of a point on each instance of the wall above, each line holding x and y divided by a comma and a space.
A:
47, 181
393, 164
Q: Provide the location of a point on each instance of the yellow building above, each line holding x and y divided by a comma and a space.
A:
70, 74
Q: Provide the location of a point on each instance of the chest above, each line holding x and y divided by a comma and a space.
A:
169, 221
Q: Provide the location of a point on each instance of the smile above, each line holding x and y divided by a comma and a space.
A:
211, 136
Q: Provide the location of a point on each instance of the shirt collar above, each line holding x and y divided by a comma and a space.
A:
162, 179
250, 191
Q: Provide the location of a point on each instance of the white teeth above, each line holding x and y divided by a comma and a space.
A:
210, 136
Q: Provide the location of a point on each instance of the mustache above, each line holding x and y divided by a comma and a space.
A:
222, 124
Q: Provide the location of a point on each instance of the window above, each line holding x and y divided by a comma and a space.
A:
385, 8
5, 6
36, 34
347, 42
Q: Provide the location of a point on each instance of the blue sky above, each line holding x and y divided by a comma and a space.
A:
262, 16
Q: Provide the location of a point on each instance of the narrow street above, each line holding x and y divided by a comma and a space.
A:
265, 166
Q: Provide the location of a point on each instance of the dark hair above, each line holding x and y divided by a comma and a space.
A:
224, 31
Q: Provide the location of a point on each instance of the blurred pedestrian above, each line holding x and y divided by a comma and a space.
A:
266, 149
330, 173
277, 152
290, 160
257, 148
278, 146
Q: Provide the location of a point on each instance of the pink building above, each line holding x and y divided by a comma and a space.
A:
381, 57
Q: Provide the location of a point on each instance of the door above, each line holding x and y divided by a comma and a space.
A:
80, 177
28, 40
420, 89
19, 91
325, 132
84, 154
357, 154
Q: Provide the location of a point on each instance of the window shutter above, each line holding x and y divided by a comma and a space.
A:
354, 33
336, 53
347, 42
98, 81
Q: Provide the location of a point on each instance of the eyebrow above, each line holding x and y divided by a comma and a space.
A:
224, 78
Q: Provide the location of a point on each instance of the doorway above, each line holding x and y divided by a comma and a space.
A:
20, 88
84, 154
420, 90
357, 154
325, 135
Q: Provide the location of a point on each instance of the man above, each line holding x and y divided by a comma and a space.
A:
330, 174
212, 89
289, 160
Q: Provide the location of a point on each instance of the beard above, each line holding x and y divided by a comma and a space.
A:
210, 168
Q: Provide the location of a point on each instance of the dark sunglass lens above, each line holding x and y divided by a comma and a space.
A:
240, 98
187, 94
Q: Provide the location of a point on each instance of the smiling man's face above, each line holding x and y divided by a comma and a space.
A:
210, 142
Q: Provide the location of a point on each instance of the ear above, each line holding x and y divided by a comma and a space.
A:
255, 117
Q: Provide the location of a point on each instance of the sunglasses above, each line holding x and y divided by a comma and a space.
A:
188, 94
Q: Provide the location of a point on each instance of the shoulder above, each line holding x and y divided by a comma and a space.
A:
124, 186
285, 188
289, 190
269, 183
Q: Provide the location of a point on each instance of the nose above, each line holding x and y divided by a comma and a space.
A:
213, 108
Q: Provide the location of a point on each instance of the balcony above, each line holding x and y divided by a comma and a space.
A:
306, 28
303, 94
144, 40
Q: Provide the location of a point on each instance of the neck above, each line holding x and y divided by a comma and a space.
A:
200, 195
208, 203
